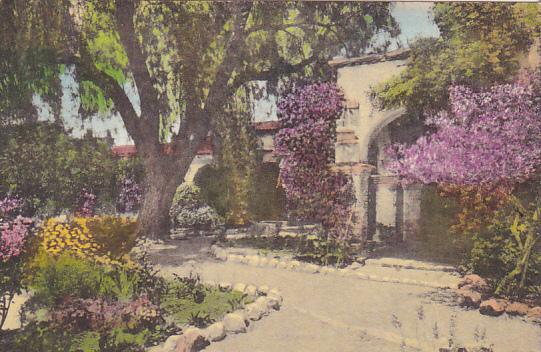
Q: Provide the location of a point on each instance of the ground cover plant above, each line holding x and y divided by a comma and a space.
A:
188, 301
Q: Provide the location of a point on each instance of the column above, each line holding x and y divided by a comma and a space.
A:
412, 211
386, 205
360, 175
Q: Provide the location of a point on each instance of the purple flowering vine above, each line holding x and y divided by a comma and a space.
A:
10, 205
305, 142
15, 231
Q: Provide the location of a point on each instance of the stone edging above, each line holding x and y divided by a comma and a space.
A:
295, 265
266, 300
474, 292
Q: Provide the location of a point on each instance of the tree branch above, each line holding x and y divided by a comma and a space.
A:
87, 70
125, 14
281, 68
196, 124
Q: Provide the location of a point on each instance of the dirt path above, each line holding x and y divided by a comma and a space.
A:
334, 313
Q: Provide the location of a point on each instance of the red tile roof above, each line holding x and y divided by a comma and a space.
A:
129, 150
267, 125
124, 150
205, 148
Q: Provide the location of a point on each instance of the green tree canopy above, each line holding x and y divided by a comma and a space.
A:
186, 59
479, 45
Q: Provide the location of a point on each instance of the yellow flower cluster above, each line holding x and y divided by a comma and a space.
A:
59, 235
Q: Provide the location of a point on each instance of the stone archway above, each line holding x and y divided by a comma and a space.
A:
383, 209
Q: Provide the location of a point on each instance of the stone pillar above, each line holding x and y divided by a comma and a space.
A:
386, 204
412, 211
360, 175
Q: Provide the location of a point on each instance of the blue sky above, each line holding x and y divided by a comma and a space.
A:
414, 19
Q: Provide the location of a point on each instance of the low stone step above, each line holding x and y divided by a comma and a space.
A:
409, 264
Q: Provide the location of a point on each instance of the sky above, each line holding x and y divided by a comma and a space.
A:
414, 19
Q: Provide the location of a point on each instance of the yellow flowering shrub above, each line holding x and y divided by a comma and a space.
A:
73, 236
105, 239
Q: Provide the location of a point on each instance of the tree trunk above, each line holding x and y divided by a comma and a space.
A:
162, 177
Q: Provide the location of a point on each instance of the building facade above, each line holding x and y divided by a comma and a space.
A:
384, 209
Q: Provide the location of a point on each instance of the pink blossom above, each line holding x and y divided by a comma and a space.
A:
10, 205
13, 235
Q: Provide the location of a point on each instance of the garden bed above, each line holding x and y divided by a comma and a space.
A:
92, 288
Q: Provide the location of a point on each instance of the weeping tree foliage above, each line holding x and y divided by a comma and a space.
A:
479, 45
236, 156
184, 59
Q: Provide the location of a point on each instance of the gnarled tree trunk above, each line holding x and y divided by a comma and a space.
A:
162, 177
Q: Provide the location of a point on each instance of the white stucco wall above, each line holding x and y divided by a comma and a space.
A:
198, 162
266, 141
356, 83
364, 125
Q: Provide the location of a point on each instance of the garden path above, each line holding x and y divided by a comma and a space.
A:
335, 313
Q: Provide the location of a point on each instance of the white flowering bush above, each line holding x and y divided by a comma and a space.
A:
189, 210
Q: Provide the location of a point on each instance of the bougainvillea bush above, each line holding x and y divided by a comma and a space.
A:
305, 142
485, 145
486, 138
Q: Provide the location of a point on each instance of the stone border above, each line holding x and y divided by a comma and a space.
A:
295, 265
266, 301
409, 264
474, 292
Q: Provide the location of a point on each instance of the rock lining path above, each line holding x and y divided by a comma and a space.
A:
335, 313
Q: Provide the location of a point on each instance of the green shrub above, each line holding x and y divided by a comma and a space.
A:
499, 250
268, 201
189, 210
435, 241
55, 279
41, 163
38, 337
65, 276
310, 248
214, 188
265, 198
41, 337
189, 302
324, 251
